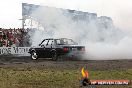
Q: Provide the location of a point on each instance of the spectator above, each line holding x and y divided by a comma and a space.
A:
1, 35
4, 43
14, 37
1, 44
4, 36
9, 43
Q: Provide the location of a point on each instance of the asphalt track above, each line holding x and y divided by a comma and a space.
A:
67, 63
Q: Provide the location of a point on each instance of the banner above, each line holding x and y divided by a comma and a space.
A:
14, 50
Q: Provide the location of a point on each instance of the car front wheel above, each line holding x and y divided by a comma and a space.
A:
34, 55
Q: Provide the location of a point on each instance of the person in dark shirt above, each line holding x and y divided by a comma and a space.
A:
4, 36
1, 44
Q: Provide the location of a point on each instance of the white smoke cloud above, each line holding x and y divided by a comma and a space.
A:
118, 10
108, 51
115, 44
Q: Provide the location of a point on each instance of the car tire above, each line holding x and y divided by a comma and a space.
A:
34, 55
54, 56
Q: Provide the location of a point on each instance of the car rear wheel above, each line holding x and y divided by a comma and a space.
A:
54, 56
34, 55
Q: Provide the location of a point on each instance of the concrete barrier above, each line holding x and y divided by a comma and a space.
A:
14, 51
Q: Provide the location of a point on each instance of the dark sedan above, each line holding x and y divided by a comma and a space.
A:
52, 48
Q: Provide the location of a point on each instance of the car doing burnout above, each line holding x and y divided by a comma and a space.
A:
53, 48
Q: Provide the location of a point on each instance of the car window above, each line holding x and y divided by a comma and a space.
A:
70, 42
44, 43
50, 42
58, 42
65, 42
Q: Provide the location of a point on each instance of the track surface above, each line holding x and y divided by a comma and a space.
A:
66, 64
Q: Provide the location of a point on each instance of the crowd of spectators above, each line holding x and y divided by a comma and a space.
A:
14, 37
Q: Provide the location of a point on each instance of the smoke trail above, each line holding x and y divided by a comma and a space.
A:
101, 38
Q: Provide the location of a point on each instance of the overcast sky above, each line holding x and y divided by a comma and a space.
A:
119, 10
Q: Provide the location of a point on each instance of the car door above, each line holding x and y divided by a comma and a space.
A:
49, 47
43, 50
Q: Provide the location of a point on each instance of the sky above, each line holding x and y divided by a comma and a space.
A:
119, 10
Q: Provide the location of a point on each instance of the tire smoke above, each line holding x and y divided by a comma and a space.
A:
102, 39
